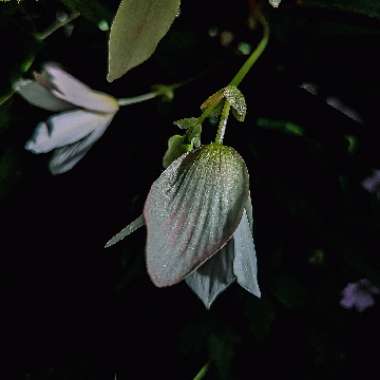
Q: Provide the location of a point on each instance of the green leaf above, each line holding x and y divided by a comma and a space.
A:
126, 231
138, 27
180, 144
233, 95
237, 101
189, 122
176, 147
192, 210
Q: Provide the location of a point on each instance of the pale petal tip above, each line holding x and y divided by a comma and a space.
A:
20, 84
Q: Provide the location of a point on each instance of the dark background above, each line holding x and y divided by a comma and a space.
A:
71, 304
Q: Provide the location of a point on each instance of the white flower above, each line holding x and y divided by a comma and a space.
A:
199, 219
275, 3
85, 116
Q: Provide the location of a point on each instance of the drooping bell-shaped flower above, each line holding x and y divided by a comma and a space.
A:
199, 219
85, 116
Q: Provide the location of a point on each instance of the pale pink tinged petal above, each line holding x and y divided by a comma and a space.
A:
245, 262
64, 159
65, 128
38, 95
69, 89
214, 276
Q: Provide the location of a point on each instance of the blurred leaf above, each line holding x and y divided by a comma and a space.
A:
93, 10
138, 27
222, 352
9, 173
4, 117
202, 373
317, 257
366, 7
20, 47
261, 315
352, 143
280, 125
289, 292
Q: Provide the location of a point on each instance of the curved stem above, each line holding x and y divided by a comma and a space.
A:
55, 26
223, 123
240, 75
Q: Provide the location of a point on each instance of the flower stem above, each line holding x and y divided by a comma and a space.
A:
240, 75
55, 26
236, 80
223, 123
160, 90
137, 99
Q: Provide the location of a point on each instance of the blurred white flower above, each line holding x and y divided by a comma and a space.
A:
333, 101
85, 116
359, 295
372, 183
275, 3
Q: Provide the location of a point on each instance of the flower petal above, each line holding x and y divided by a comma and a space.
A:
66, 158
40, 96
213, 277
64, 129
192, 210
245, 263
249, 211
69, 89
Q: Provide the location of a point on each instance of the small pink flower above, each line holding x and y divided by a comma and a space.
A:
359, 295
85, 116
